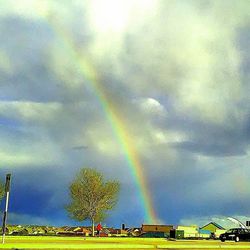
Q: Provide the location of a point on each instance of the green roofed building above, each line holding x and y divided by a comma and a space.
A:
212, 227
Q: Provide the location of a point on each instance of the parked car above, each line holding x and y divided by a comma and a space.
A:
236, 234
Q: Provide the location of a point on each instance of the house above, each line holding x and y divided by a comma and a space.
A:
41, 230
134, 232
117, 232
124, 232
85, 231
212, 227
30, 229
16, 230
104, 232
21, 231
50, 230
12, 228
67, 231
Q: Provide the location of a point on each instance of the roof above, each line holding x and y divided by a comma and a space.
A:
156, 225
202, 231
215, 224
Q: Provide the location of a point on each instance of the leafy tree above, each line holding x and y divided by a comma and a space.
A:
92, 196
2, 191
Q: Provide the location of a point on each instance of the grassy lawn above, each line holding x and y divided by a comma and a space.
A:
38, 242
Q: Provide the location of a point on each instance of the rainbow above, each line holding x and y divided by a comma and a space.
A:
118, 127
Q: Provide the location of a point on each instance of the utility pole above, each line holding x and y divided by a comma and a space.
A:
7, 193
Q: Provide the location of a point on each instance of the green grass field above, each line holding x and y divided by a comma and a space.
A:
39, 242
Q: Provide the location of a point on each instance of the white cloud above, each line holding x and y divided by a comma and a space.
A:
167, 136
194, 60
27, 8
29, 111
19, 159
29, 152
151, 106
111, 16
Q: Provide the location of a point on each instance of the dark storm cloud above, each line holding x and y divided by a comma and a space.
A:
26, 44
80, 147
177, 76
205, 137
210, 139
211, 149
191, 190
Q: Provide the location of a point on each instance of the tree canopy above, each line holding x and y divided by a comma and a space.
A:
92, 196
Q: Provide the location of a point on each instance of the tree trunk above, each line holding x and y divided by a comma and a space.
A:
93, 228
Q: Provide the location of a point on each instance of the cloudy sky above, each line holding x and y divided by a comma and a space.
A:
177, 73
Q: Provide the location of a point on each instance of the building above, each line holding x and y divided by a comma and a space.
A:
204, 234
218, 232
212, 227
115, 231
134, 232
189, 231
157, 228
86, 231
